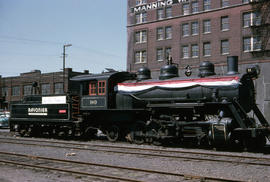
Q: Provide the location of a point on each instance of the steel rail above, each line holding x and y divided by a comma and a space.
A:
69, 171
144, 149
151, 154
107, 166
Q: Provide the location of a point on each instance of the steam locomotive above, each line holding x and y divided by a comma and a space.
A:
207, 109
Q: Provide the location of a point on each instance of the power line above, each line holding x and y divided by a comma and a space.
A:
31, 40
89, 50
97, 51
30, 55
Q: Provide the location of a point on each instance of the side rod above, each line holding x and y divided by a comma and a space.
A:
260, 116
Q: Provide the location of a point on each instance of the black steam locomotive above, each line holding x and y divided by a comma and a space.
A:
205, 109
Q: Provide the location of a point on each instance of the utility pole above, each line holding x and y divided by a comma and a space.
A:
64, 63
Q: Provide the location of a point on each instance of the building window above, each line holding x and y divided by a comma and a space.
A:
58, 88
163, 54
185, 52
160, 54
225, 3
256, 18
207, 26
141, 36
160, 33
4, 91
257, 43
251, 19
194, 51
137, 37
224, 47
160, 14
185, 29
194, 28
252, 44
138, 18
168, 12
168, 32
140, 57
101, 87
27, 89
140, 2
195, 7
225, 23
141, 17
247, 19
207, 49
185, 9
168, 52
16, 91
246, 1
247, 44
45, 89
206, 5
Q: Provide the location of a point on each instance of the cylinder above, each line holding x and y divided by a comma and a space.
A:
232, 65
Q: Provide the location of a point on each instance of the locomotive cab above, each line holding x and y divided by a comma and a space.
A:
94, 93
97, 90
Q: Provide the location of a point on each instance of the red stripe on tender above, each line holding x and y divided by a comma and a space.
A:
216, 79
62, 111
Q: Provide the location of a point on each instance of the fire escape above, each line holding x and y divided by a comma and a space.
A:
261, 29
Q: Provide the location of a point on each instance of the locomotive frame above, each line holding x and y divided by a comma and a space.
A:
206, 109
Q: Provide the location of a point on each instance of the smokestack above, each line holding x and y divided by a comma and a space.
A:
232, 65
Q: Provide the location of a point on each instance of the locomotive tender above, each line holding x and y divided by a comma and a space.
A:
210, 108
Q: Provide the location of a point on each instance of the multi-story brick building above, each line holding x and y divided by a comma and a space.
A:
192, 31
13, 89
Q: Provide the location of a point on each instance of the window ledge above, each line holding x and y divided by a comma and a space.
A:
225, 54
140, 63
225, 30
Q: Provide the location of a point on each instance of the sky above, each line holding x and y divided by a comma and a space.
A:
33, 32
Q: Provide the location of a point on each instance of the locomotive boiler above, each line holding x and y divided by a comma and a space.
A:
204, 109
208, 108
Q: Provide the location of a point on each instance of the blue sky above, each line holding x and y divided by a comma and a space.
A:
33, 32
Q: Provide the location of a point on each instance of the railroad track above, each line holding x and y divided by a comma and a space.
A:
62, 165
172, 154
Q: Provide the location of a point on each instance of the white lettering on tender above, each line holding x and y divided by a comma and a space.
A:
38, 111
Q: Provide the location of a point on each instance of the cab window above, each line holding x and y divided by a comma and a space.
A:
102, 88
93, 88
97, 88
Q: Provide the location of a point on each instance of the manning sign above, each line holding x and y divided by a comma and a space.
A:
155, 5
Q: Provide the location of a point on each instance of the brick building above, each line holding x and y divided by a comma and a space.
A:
192, 31
13, 89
